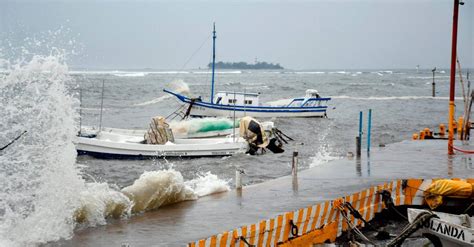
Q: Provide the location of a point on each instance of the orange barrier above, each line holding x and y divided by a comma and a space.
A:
321, 222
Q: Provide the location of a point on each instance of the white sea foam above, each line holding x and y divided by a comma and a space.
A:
178, 86
322, 157
218, 72
99, 201
42, 194
408, 97
94, 109
124, 73
207, 184
339, 72
152, 190
323, 154
170, 72
158, 188
39, 182
310, 72
131, 74
427, 77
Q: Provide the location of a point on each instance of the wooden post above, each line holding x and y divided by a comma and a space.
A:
294, 164
238, 179
294, 171
358, 151
369, 128
359, 138
433, 84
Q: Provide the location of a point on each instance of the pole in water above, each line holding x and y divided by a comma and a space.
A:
294, 171
369, 127
433, 85
294, 164
101, 105
238, 179
453, 76
358, 151
233, 127
80, 111
359, 138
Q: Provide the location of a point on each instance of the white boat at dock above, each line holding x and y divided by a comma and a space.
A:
89, 130
115, 145
238, 104
451, 229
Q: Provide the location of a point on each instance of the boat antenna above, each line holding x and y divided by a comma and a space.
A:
233, 127
80, 111
213, 61
101, 105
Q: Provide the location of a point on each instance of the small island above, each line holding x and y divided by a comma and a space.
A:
244, 65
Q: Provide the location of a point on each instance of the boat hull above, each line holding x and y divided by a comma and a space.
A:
198, 108
451, 229
229, 111
107, 148
87, 130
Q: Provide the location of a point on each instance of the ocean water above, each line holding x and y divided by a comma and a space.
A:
400, 100
48, 192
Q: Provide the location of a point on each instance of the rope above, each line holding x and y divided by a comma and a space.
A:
354, 228
191, 57
462, 82
14, 140
188, 111
245, 241
411, 228
357, 215
387, 199
176, 113
463, 150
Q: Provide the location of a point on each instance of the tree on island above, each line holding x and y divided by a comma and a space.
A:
244, 65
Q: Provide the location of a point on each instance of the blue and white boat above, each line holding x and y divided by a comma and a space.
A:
238, 104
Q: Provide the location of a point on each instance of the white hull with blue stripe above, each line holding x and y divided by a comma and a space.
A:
233, 104
299, 107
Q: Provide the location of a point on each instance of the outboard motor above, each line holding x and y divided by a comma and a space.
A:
254, 133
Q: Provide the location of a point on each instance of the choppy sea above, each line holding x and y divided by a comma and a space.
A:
49, 192
400, 100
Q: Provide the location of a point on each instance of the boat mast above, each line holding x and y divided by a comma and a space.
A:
453, 76
213, 61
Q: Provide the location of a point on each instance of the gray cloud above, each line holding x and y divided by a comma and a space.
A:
297, 34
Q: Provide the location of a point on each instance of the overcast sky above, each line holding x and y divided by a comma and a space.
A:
373, 34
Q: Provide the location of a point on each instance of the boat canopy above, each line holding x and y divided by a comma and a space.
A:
231, 98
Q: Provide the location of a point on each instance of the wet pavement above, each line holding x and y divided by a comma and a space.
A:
178, 224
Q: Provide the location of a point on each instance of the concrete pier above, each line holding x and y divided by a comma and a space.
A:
178, 224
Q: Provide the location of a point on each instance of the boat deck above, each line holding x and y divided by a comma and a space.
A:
178, 224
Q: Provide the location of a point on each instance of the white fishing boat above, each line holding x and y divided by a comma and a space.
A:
451, 229
89, 130
159, 140
115, 145
185, 129
238, 104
